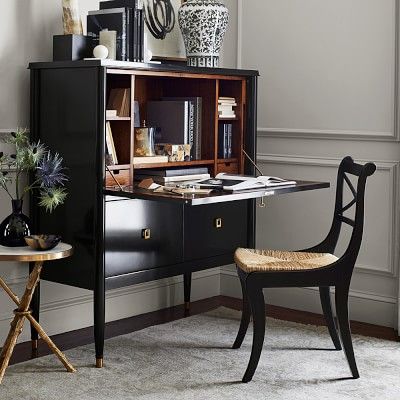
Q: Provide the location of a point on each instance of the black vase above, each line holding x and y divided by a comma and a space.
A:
15, 227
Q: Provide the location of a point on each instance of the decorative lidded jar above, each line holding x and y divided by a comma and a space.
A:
203, 24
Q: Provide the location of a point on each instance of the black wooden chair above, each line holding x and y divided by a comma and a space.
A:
315, 267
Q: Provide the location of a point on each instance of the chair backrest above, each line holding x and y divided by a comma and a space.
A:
349, 167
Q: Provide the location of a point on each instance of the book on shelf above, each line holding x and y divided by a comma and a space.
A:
171, 118
226, 115
169, 172
136, 114
194, 121
111, 113
228, 101
163, 180
226, 106
225, 141
232, 183
120, 100
150, 160
110, 146
113, 19
135, 25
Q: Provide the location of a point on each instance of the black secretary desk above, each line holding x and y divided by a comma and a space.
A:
123, 238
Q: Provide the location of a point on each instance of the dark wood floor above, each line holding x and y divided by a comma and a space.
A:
84, 336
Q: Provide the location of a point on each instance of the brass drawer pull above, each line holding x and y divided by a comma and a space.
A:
218, 223
146, 233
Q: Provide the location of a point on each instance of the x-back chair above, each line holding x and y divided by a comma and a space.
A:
312, 267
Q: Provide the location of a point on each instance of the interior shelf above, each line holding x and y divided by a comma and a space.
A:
174, 164
227, 160
118, 118
118, 167
145, 88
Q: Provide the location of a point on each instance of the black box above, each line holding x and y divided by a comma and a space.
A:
72, 47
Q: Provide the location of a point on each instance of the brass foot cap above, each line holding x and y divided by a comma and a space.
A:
99, 362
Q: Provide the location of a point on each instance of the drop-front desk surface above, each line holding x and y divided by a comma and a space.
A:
216, 196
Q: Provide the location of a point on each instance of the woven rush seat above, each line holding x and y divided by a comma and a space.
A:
254, 260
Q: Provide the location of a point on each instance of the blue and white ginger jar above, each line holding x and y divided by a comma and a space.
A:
203, 24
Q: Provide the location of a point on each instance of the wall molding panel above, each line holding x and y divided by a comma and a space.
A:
329, 134
390, 167
364, 135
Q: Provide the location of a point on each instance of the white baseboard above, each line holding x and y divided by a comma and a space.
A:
77, 312
364, 307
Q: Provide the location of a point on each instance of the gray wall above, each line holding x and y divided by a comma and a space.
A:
328, 88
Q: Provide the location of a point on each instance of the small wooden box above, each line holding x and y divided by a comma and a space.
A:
175, 152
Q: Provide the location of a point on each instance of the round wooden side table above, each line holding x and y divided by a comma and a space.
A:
26, 254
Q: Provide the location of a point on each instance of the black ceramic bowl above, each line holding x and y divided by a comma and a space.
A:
42, 242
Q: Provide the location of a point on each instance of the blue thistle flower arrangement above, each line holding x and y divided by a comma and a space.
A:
47, 169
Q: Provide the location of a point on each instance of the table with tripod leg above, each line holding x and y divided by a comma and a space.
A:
26, 254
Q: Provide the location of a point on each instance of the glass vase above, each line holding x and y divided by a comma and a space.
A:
15, 227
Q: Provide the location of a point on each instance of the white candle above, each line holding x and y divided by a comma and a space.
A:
109, 39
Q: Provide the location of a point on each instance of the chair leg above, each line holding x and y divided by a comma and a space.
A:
246, 312
257, 305
342, 311
330, 321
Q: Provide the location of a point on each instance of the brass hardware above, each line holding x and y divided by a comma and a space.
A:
187, 306
218, 223
35, 344
99, 362
146, 233
262, 203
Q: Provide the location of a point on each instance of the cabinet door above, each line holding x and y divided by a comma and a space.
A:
141, 235
215, 229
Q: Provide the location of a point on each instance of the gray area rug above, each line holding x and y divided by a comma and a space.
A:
191, 359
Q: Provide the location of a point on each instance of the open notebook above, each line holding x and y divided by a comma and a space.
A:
234, 183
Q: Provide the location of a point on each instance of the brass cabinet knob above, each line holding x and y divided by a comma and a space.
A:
218, 223
146, 233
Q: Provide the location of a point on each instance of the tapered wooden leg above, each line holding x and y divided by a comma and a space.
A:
16, 329
330, 321
99, 321
35, 307
342, 311
257, 305
187, 285
246, 312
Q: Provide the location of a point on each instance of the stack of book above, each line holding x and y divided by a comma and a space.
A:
225, 107
225, 141
178, 121
126, 17
119, 102
173, 175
